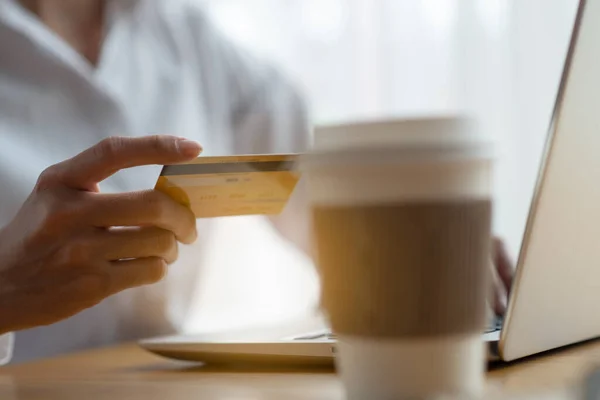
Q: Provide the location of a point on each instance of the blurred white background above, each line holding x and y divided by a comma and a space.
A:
366, 58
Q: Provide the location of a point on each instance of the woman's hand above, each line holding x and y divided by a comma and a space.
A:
502, 276
69, 247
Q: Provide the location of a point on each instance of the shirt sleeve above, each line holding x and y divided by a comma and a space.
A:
6, 348
263, 109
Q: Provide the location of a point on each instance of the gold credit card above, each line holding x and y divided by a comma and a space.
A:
232, 185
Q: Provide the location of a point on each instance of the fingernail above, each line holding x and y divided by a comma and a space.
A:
188, 147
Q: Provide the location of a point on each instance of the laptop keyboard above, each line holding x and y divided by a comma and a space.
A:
494, 325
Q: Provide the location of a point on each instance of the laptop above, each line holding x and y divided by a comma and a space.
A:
556, 290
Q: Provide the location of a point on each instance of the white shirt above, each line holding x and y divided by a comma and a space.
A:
163, 69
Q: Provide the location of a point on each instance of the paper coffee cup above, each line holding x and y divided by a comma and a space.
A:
402, 220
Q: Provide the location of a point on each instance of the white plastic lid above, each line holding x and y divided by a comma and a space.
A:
436, 138
433, 131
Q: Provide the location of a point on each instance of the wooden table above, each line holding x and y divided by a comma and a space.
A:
129, 373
